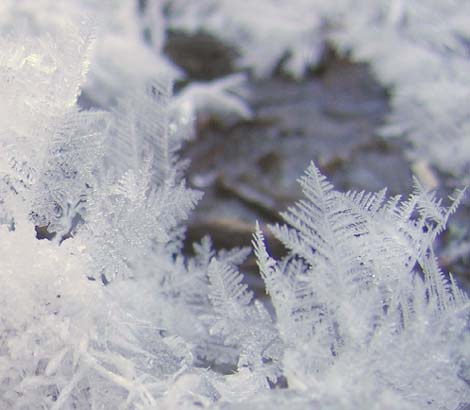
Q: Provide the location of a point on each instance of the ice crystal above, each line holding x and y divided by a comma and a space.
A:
109, 314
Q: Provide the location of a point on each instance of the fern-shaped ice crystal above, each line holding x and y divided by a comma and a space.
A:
360, 300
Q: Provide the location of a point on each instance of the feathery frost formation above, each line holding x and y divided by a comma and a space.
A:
108, 314
360, 301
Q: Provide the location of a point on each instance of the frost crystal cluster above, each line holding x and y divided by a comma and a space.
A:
108, 314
